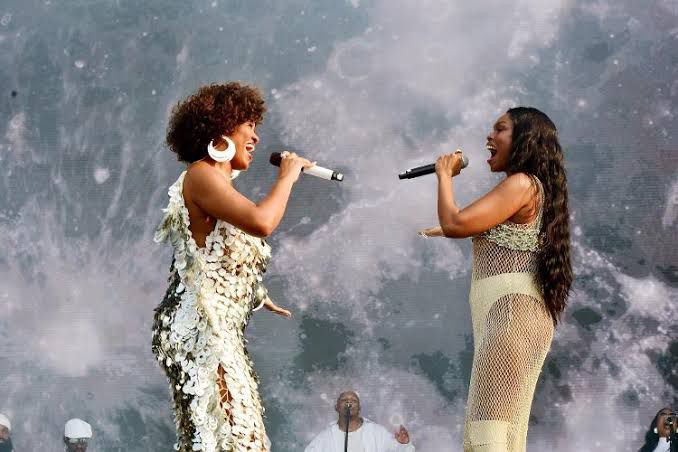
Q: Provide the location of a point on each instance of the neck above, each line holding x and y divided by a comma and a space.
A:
354, 424
223, 167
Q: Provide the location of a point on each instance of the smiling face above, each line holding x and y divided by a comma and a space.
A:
500, 143
245, 138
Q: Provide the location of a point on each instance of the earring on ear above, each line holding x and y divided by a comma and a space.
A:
222, 156
655, 430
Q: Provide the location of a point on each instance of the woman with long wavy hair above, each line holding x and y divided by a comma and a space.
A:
521, 276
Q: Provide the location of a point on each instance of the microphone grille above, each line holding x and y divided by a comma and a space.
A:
275, 159
464, 161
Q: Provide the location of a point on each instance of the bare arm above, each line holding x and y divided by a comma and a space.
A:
215, 195
495, 207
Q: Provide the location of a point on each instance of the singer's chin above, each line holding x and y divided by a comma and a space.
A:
240, 166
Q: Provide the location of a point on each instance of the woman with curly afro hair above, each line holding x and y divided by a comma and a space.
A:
521, 272
215, 279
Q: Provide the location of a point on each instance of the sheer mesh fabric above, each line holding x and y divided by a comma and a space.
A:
512, 332
490, 259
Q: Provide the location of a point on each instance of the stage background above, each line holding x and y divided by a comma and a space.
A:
370, 88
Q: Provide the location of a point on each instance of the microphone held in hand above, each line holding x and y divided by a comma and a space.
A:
427, 169
317, 171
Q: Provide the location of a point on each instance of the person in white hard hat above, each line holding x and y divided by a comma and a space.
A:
77, 434
5, 434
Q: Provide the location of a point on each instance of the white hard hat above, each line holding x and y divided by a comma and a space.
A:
4, 420
77, 428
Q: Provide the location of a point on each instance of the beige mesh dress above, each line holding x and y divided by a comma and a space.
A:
198, 333
512, 332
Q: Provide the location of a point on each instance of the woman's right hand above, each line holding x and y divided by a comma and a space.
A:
291, 165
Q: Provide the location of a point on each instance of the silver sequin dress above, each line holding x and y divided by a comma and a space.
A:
198, 332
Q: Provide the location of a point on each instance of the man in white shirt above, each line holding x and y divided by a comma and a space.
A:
363, 434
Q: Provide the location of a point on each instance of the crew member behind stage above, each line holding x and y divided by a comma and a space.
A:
521, 272
657, 436
77, 435
5, 434
363, 434
215, 280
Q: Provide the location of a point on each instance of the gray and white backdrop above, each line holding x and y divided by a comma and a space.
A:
370, 87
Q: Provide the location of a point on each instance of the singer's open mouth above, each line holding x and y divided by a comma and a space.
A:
491, 148
250, 148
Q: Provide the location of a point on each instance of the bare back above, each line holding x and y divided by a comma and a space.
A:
529, 211
201, 223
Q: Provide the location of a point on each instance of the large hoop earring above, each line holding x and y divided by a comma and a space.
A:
222, 156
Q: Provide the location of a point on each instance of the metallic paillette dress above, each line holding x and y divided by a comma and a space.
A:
198, 333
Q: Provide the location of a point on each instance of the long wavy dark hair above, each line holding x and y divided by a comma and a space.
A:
536, 151
652, 438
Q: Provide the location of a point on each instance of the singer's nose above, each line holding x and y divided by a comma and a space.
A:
255, 138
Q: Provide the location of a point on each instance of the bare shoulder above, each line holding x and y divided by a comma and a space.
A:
198, 170
519, 184
201, 176
519, 181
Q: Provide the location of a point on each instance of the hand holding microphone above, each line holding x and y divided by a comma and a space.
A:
451, 164
291, 165
302, 165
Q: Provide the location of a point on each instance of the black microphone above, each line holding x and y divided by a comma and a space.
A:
427, 169
348, 420
317, 171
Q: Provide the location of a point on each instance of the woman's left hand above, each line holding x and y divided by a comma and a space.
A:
435, 231
449, 165
274, 308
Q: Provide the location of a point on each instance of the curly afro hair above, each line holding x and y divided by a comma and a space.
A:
210, 112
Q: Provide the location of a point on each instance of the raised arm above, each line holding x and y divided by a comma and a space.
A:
213, 193
501, 203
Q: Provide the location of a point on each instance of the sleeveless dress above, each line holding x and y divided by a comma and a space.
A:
512, 333
198, 332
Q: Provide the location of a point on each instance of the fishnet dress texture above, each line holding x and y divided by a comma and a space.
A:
512, 333
198, 333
